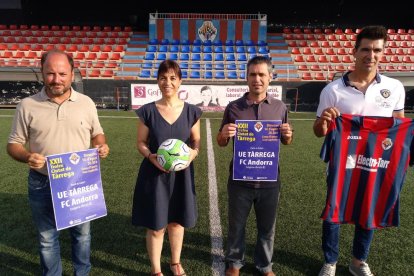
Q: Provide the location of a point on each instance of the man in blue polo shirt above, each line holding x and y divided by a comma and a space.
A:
360, 92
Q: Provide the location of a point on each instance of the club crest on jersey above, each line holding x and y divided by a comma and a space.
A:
386, 144
258, 126
385, 93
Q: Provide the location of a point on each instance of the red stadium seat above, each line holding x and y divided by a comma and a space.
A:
108, 74
319, 76
307, 76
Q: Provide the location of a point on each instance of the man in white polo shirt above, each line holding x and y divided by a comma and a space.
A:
56, 120
360, 92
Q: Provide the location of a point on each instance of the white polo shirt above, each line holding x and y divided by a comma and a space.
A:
383, 96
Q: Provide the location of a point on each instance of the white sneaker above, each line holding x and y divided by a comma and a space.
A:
361, 270
328, 270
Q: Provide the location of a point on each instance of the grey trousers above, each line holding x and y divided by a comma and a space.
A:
240, 201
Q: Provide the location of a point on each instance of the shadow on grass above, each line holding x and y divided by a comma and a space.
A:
118, 248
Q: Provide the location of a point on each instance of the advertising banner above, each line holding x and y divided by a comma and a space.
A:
208, 97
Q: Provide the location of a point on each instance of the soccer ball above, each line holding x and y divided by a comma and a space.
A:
173, 155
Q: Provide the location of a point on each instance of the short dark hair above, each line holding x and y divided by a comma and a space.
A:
259, 60
168, 65
372, 33
205, 87
56, 51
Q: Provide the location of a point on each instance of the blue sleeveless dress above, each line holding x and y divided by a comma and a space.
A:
161, 198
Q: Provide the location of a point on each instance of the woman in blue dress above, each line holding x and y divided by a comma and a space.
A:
166, 201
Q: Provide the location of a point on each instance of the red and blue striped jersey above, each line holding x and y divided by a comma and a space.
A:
368, 159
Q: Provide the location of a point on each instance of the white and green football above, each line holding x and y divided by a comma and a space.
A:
173, 155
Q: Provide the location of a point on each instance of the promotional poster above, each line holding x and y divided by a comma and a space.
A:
256, 150
76, 187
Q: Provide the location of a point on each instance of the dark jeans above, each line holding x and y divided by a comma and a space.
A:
41, 205
330, 242
240, 202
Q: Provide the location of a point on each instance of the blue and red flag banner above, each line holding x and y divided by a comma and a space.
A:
76, 187
256, 150
368, 160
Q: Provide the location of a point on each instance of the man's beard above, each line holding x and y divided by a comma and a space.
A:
56, 92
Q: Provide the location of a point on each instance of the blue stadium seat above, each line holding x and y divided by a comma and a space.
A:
218, 49
145, 74
242, 75
251, 50
208, 66
219, 66
219, 75
195, 65
184, 74
240, 49
184, 56
230, 57
218, 57
173, 56
184, 65
207, 43
195, 75
231, 66
263, 50
196, 57
154, 73
229, 42
147, 65
197, 42
252, 56
217, 42
241, 57
185, 42
161, 56
207, 49
175, 42
196, 49
261, 43
163, 48
208, 75
165, 41
149, 56
185, 49
207, 57
242, 66
232, 75
249, 42
239, 42
152, 48
153, 41
174, 48
229, 49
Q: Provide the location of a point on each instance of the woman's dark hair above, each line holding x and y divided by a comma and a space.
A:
168, 65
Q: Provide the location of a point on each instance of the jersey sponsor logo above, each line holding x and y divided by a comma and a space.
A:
371, 164
385, 93
365, 163
354, 137
350, 162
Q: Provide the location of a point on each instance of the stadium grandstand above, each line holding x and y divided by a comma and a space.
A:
117, 54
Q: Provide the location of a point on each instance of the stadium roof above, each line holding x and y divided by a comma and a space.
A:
339, 12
